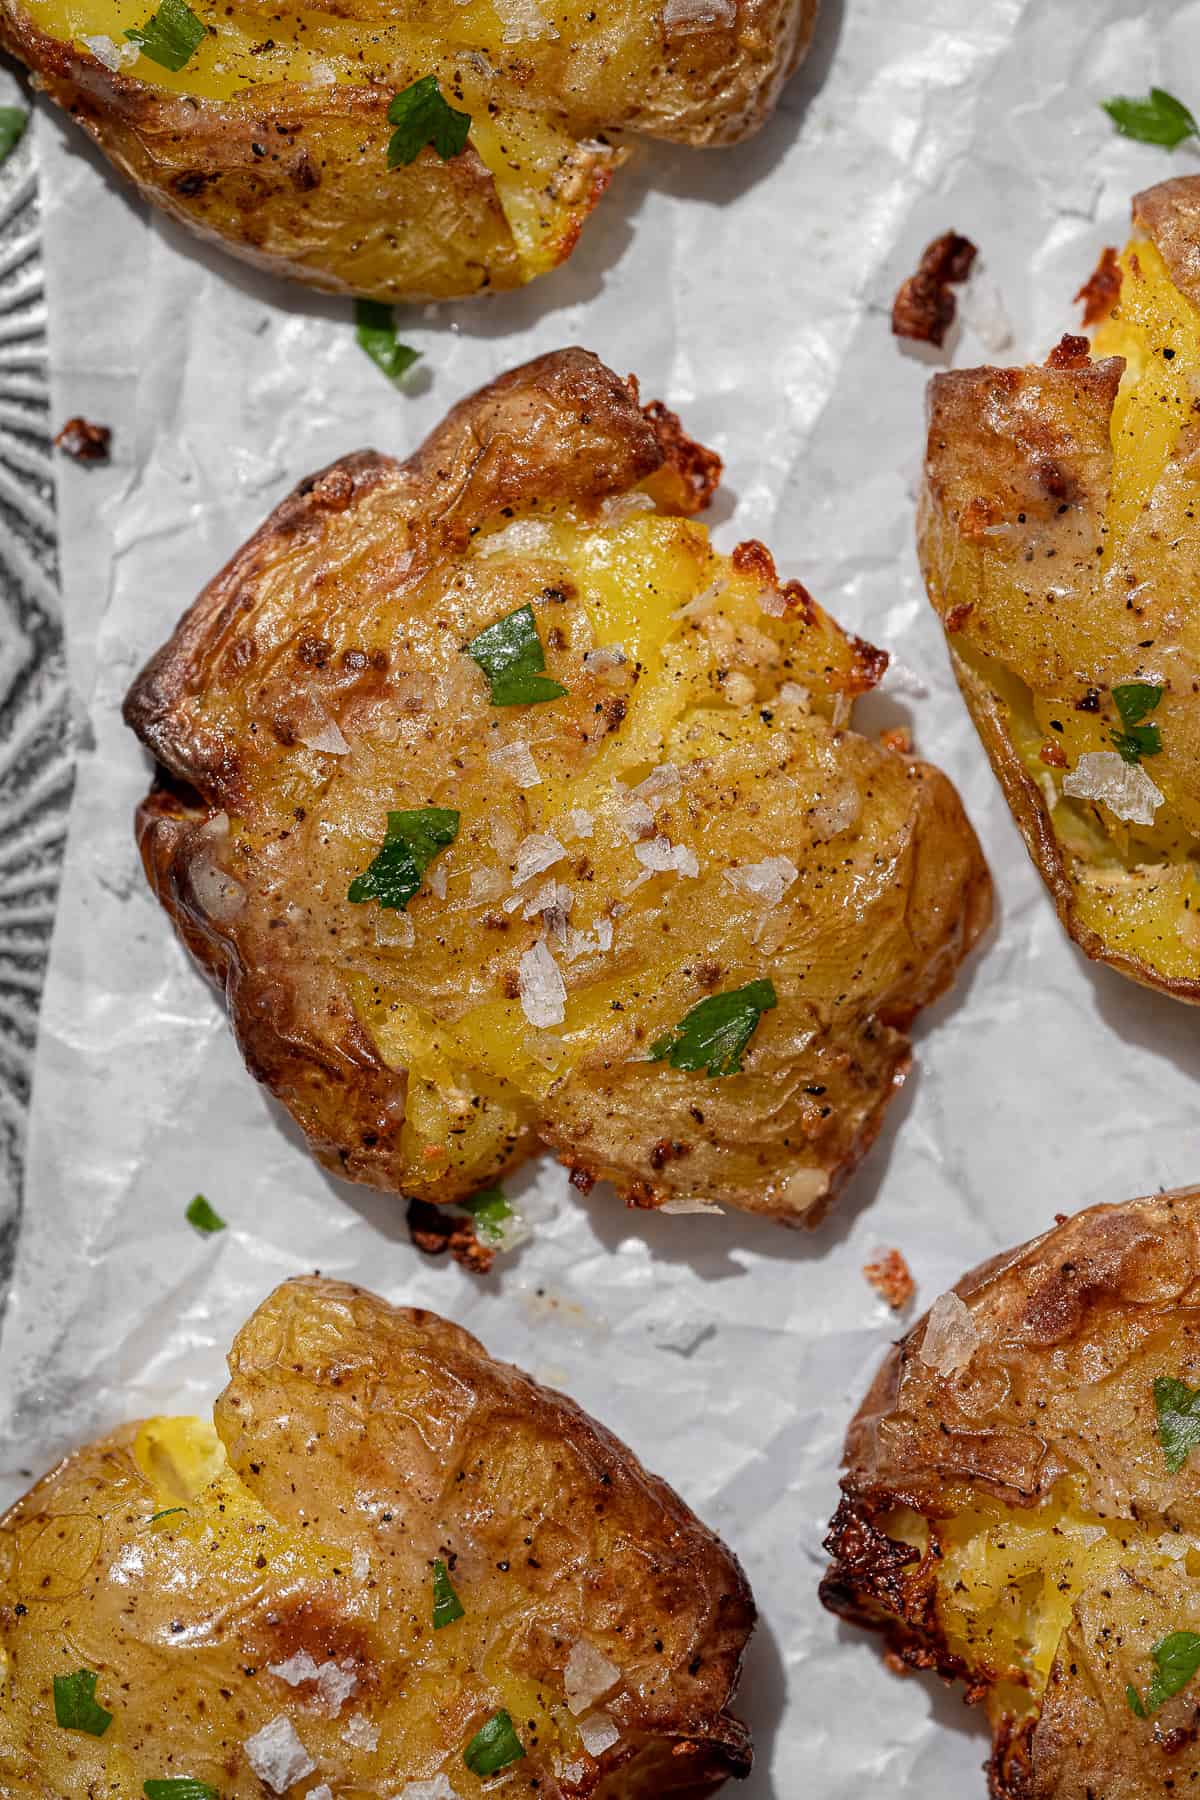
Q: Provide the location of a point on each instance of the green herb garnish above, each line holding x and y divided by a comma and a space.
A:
511, 656
413, 840
494, 1746
715, 1032
166, 1513
421, 117
1158, 119
1134, 699
170, 36
13, 120
489, 1209
1178, 1409
375, 329
1177, 1657
182, 1787
75, 1705
446, 1604
203, 1216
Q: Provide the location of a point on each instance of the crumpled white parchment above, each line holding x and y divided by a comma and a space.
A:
749, 288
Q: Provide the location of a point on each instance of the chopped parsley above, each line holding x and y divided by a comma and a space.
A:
714, 1034
1158, 119
1134, 699
171, 36
1178, 1409
511, 656
1176, 1657
75, 1705
495, 1745
421, 116
203, 1216
166, 1513
446, 1604
412, 841
13, 120
180, 1787
375, 329
489, 1209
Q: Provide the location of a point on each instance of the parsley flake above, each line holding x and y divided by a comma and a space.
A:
489, 1209
203, 1216
1178, 1409
75, 1705
421, 116
1176, 1657
446, 1604
494, 1746
171, 36
714, 1034
1158, 119
511, 656
412, 841
13, 120
180, 1787
1134, 699
375, 329
166, 1513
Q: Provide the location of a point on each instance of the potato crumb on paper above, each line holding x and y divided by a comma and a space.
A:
890, 1276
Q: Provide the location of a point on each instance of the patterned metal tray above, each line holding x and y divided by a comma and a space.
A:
35, 735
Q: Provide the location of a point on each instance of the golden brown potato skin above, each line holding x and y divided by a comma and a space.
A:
1057, 537
353, 603
1073, 1328
292, 175
363, 1441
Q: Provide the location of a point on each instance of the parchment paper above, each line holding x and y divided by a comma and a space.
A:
748, 288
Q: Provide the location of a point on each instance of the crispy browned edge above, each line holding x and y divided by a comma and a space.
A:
888, 1587
1170, 215
561, 426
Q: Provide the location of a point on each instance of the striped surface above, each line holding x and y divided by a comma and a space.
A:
35, 764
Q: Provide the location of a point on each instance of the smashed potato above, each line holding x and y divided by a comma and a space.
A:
1020, 1503
394, 1561
503, 808
274, 136
1060, 545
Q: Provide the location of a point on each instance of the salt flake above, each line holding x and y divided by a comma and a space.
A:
588, 1676
951, 1336
277, 1755
1125, 788
768, 880
541, 987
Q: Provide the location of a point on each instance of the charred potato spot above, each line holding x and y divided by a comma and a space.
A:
273, 137
1060, 543
1010, 1517
691, 816
282, 1567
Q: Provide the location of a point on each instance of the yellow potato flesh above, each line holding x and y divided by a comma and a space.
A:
1137, 886
1008, 1581
632, 578
190, 1527
243, 51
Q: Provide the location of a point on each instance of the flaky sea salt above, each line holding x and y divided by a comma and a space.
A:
277, 1755
517, 762
661, 857
1125, 788
541, 987
536, 853
767, 881
588, 1676
951, 1336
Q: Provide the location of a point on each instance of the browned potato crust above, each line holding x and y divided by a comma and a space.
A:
1059, 542
1009, 1514
356, 1443
273, 138
406, 1045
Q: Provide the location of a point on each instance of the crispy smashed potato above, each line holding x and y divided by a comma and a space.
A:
1060, 543
1020, 1503
273, 137
684, 821
388, 1540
